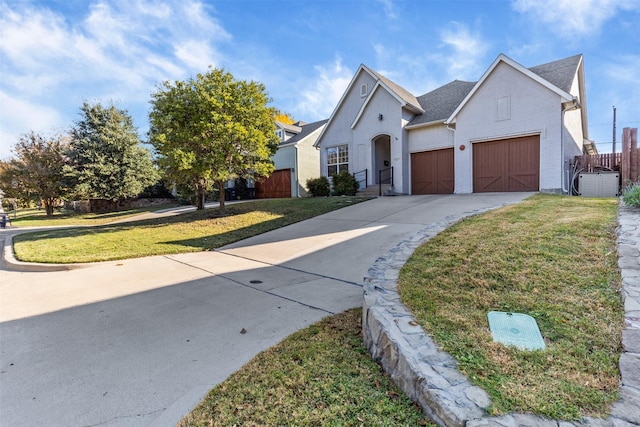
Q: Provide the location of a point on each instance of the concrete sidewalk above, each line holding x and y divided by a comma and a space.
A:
139, 342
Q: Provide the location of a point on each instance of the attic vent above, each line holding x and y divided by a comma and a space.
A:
363, 90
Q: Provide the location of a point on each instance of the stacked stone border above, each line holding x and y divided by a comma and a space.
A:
429, 376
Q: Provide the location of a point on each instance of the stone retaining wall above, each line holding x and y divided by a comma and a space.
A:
428, 375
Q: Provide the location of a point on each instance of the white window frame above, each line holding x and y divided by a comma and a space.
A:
364, 90
337, 159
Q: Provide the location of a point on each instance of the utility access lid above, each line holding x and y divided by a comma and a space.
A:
515, 329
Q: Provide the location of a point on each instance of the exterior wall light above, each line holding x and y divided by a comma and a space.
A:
380, 117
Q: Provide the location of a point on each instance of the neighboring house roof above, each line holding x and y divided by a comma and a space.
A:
441, 102
288, 127
306, 130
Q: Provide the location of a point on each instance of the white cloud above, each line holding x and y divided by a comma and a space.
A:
321, 96
464, 52
20, 114
571, 18
119, 50
389, 9
195, 54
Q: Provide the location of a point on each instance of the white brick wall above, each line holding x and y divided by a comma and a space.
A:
533, 109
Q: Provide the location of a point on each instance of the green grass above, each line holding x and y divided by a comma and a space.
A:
38, 218
551, 257
191, 232
321, 375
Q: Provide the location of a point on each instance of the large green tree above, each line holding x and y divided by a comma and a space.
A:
211, 129
36, 170
107, 160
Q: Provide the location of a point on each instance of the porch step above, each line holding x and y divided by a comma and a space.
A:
374, 190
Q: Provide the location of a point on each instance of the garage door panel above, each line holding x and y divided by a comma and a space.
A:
507, 165
278, 185
432, 172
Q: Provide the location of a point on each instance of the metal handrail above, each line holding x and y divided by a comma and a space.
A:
387, 180
365, 180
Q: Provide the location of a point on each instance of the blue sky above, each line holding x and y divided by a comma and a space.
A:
56, 54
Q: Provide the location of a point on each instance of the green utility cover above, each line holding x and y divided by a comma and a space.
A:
515, 329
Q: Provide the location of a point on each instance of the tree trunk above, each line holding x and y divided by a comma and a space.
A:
48, 206
221, 197
199, 197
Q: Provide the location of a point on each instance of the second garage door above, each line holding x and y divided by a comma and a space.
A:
432, 172
276, 186
507, 165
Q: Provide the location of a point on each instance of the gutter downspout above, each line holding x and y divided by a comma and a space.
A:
447, 126
295, 172
574, 106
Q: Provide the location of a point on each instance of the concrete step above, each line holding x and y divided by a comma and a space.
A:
374, 190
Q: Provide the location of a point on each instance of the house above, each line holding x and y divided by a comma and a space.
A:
515, 129
296, 160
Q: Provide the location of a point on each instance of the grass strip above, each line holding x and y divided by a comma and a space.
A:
38, 217
321, 375
190, 232
551, 257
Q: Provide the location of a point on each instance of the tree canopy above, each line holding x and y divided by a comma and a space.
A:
106, 158
37, 170
283, 117
211, 129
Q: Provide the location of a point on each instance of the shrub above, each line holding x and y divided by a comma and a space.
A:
319, 187
631, 195
344, 184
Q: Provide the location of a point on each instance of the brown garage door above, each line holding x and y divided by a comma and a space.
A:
432, 172
507, 165
276, 186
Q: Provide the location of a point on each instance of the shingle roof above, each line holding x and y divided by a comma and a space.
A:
441, 102
407, 96
307, 129
290, 128
559, 73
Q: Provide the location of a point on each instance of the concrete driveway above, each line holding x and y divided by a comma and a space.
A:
139, 342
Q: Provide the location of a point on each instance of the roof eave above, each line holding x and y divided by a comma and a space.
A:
426, 124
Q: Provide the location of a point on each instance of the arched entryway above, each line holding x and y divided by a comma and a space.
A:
381, 155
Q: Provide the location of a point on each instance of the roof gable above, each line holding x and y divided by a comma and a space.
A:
546, 69
307, 130
402, 95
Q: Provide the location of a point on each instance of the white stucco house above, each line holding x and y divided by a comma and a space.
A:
295, 161
515, 129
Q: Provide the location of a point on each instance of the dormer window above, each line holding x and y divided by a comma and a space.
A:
363, 90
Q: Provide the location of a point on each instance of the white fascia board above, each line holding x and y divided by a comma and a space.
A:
565, 97
424, 125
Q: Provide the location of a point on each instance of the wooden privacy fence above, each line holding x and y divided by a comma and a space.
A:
598, 162
626, 162
630, 156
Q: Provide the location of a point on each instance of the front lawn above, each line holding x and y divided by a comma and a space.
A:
551, 257
30, 217
190, 232
321, 375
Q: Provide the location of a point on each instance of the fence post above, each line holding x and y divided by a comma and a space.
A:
634, 155
626, 156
